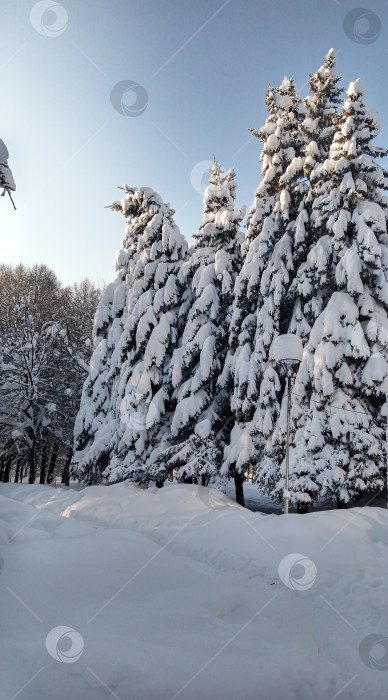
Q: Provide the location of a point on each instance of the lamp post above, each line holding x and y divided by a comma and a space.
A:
287, 350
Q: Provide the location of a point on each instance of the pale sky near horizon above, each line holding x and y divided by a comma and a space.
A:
202, 71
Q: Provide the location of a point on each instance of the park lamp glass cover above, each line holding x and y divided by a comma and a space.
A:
6, 177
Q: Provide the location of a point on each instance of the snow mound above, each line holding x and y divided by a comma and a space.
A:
178, 592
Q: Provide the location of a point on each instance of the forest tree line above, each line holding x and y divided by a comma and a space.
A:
45, 348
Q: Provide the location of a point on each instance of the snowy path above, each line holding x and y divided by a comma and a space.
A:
176, 593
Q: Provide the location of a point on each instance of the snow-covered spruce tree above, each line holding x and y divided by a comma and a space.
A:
323, 112
342, 383
310, 255
143, 396
96, 426
318, 128
202, 420
261, 308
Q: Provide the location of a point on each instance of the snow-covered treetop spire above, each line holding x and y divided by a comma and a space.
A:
270, 141
356, 88
289, 101
330, 59
137, 200
323, 113
276, 202
215, 173
345, 210
359, 126
282, 142
352, 152
219, 215
216, 190
147, 215
318, 129
285, 109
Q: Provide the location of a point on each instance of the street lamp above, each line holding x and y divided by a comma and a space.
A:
6, 177
287, 350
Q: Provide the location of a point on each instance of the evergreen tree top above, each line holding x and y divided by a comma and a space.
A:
281, 159
325, 81
322, 111
219, 218
221, 191
351, 165
330, 59
281, 137
151, 226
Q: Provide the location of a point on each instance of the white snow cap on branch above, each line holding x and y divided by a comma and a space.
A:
356, 88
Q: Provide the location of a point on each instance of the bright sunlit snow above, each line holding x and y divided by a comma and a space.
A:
180, 593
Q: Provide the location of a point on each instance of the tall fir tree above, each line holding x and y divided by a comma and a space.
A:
261, 308
151, 328
202, 417
96, 426
343, 379
309, 253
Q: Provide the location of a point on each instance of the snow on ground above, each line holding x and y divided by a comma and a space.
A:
180, 593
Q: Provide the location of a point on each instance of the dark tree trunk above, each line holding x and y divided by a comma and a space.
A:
187, 480
302, 507
341, 503
1, 468
239, 486
18, 473
66, 469
32, 465
159, 483
7, 470
53, 459
43, 464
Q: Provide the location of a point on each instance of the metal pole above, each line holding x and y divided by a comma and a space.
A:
10, 196
286, 491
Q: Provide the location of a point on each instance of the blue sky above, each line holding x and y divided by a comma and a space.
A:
203, 68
